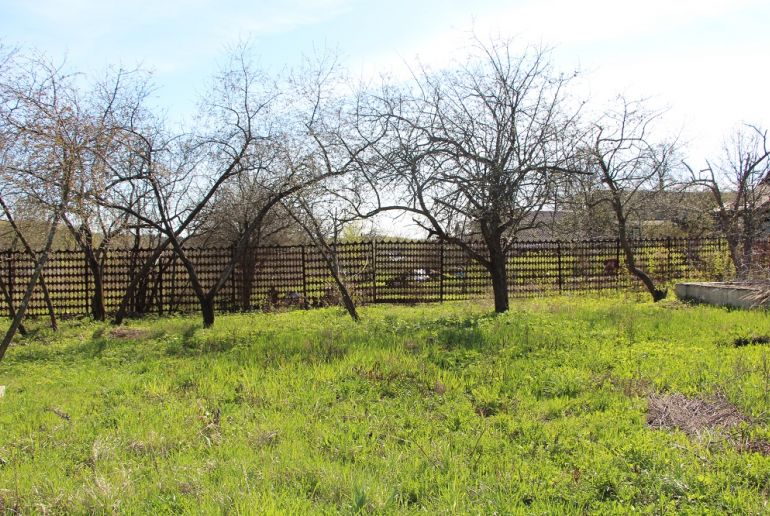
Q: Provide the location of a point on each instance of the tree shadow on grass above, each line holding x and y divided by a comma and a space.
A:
446, 336
124, 343
120, 341
187, 345
450, 339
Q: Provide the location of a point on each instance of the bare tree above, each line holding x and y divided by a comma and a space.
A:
739, 182
112, 104
226, 222
323, 220
334, 145
246, 136
21, 237
632, 167
475, 152
43, 143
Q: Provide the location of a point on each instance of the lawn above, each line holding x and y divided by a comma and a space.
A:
441, 408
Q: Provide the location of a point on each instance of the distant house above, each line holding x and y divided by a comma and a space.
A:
658, 215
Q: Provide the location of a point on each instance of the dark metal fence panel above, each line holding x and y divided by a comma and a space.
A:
355, 265
278, 277
408, 272
464, 277
375, 272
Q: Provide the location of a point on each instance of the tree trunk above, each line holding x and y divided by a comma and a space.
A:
138, 283
347, 300
43, 257
747, 257
497, 269
97, 301
206, 299
49, 305
11, 308
31, 253
248, 263
207, 311
642, 276
628, 251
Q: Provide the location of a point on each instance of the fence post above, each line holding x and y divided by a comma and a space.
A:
441, 272
10, 278
558, 261
617, 261
669, 265
233, 276
10, 271
86, 281
160, 285
373, 245
304, 277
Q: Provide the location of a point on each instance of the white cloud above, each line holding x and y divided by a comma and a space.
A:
698, 57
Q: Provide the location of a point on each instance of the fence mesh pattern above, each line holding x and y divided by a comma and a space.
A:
375, 272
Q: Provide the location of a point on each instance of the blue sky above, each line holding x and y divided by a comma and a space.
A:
707, 60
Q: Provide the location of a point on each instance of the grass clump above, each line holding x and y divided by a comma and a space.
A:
443, 408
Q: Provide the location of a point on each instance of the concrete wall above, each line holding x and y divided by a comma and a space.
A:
720, 294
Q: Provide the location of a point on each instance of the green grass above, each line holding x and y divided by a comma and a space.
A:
417, 409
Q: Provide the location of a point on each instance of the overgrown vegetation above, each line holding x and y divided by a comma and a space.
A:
416, 409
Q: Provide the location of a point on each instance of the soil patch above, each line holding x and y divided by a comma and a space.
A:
124, 332
754, 446
692, 415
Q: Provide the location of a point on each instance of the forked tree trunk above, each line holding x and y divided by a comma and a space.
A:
31, 253
205, 299
41, 261
137, 282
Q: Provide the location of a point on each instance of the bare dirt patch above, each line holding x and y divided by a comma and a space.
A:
126, 333
696, 416
754, 446
692, 415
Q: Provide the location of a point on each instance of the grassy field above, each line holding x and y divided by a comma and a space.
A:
417, 409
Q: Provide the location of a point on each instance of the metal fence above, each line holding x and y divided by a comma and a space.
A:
376, 271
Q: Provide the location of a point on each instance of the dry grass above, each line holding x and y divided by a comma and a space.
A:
696, 416
693, 416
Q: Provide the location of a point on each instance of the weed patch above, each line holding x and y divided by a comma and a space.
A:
739, 342
426, 409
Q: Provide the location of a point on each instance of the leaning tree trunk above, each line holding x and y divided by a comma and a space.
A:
42, 259
49, 305
31, 253
206, 300
347, 299
11, 308
630, 261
